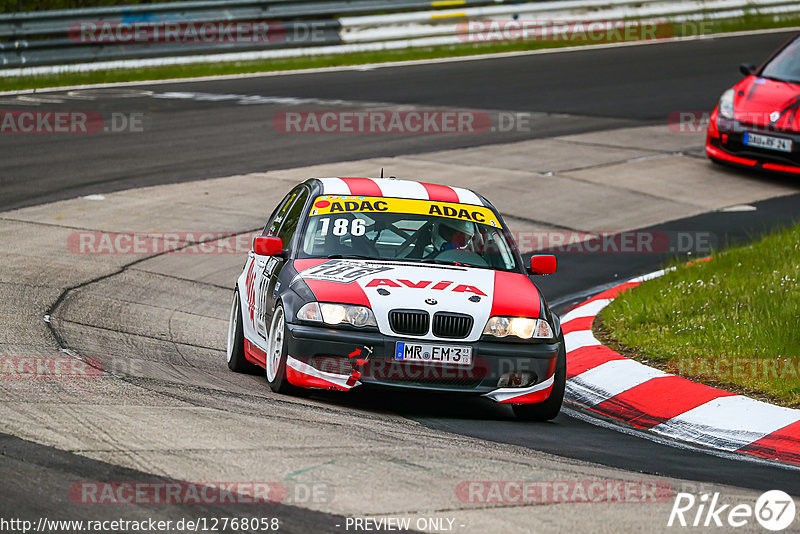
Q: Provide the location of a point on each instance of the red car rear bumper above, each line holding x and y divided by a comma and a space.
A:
715, 151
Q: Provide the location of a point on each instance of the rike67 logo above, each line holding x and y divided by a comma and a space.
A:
774, 510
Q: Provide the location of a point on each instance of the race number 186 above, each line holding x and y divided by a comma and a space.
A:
343, 226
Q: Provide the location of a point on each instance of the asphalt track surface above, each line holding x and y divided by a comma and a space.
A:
39, 479
188, 138
193, 139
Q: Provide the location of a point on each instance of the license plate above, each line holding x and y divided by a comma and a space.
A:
422, 352
767, 141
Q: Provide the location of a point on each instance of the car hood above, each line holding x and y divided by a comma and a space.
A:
756, 98
385, 286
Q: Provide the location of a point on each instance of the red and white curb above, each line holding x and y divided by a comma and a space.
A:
610, 384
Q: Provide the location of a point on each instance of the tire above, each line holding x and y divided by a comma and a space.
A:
235, 349
277, 355
547, 410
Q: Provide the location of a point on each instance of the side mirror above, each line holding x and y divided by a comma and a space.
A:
268, 246
747, 68
545, 264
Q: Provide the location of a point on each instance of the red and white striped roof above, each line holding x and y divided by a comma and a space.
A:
391, 187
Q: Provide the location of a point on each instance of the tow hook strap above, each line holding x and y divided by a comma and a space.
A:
358, 364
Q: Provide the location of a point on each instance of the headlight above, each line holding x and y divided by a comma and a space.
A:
352, 315
310, 312
522, 327
726, 104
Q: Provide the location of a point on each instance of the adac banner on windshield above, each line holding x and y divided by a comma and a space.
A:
333, 204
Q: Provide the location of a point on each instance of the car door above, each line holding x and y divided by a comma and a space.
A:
258, 265
284, 225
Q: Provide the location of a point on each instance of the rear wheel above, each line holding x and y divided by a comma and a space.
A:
277, 355
235, 349
547, 410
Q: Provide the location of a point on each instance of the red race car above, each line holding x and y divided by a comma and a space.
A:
756, 123
386, 283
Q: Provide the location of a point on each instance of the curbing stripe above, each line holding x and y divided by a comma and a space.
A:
658, 400
579, 323
589, 309
612, 378
610, 384
583, 359
782, 445
729, 423
579, 339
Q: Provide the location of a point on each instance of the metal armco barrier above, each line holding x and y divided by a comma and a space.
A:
74, 40
54, 37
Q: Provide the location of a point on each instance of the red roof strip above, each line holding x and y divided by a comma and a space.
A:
363, 186
441, 193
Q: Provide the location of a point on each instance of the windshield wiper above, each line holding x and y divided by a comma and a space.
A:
444, 262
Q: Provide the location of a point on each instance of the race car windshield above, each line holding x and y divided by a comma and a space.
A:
785, 67
406, 230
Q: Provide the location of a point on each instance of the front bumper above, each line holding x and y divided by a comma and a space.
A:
724, 143
330, 358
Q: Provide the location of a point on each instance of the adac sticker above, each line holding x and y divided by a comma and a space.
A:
331, 205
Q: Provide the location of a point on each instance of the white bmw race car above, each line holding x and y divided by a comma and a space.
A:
372, 282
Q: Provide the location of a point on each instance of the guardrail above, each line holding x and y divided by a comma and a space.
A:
241, 30
55, 37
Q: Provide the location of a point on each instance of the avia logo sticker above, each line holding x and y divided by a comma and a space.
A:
425, 284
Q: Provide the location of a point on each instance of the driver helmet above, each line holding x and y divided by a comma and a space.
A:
452, 234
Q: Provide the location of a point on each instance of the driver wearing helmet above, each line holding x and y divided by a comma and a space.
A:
452, 234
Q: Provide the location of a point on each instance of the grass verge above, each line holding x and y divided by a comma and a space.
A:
747, 22
731, 322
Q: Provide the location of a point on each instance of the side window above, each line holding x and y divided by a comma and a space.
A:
292, 218
280, 213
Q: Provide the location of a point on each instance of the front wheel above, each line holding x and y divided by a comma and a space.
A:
547, 410
235, 349
277, 355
